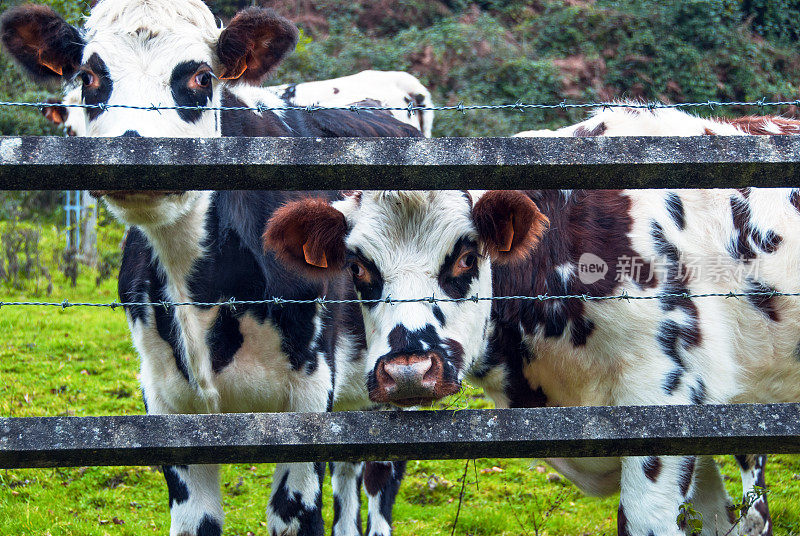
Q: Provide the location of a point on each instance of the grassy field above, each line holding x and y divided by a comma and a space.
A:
79, 361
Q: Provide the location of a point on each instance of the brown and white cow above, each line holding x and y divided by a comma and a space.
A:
205, 246
666, 350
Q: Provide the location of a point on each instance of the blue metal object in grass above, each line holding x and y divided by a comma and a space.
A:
73, 209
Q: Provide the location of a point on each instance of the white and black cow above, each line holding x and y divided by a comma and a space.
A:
405, 245
388, 88
206, 246
395, 89
661, 351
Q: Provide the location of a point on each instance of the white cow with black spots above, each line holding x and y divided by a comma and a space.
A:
667, 350
205, 246
394, 89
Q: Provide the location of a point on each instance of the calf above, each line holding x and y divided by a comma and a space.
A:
393, 89
666, 350
632, 121
205, 246
409, 245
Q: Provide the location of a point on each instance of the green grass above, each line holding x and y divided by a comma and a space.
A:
79, 361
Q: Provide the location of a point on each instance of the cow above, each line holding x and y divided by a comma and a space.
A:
665, 350
394, 89
388, 88
202, 246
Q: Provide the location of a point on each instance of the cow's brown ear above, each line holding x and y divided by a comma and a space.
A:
509, 224
41, 41
308, 235
55, 112
253, 44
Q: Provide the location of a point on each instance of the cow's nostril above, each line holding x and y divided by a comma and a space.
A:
384, 377
409, 370
434, 372
411, 379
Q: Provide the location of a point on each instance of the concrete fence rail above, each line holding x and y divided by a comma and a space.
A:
394, 435
399, 163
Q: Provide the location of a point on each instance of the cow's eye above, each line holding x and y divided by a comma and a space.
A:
203, 79
359, 272
89, 79
465, 263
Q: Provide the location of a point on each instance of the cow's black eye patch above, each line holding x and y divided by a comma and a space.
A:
97, 84
370, 287
189, 88
460, 268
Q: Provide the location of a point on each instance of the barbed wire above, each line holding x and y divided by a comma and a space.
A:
233, 302
411, 108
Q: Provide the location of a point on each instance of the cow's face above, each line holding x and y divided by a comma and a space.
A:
148, 53
408, 245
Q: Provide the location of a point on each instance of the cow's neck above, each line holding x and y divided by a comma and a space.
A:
556, 246
178, 244
250, 123
583, 252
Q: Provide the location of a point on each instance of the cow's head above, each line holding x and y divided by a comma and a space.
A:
146, 53
408, 245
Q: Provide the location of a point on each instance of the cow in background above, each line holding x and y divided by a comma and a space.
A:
191, 246
393, 89
633, 121
667, 350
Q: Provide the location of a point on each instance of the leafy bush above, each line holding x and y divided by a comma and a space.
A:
545, 51
21, 265
774, 19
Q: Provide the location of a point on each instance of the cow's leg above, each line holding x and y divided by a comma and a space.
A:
381, 482
709, 498
653, 488
195, 501
757, 521
346, 484
195, 504
295, 504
